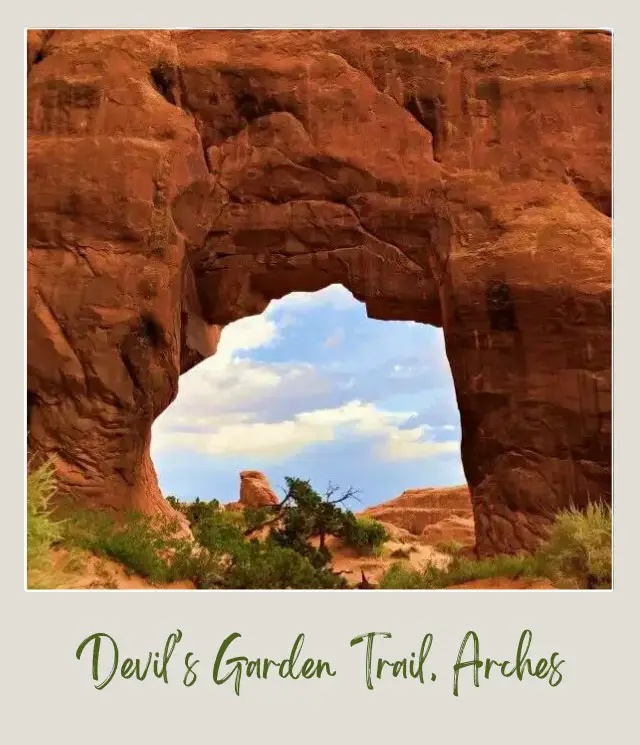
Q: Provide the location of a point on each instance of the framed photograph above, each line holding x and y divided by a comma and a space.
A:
315, 307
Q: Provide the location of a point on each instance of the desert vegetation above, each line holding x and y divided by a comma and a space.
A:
285, 546
228, 550
576, 555
42, 530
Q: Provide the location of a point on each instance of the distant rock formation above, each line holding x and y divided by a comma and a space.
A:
430, 515
255, 490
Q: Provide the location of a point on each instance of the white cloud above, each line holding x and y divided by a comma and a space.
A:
251, 332
260, 439
410, 443
223, 389
237, 434
231, 405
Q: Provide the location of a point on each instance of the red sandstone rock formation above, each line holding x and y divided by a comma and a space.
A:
180, 180
255, 490
432, 515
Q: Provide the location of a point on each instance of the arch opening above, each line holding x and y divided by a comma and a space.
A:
314, 388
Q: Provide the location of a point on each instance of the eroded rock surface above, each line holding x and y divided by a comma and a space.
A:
255, 490
180, 180
430, 515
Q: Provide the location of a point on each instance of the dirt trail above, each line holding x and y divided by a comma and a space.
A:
347, 562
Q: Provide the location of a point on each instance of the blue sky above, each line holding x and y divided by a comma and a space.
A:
313, 388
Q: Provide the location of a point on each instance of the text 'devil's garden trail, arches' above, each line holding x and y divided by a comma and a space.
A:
164, 206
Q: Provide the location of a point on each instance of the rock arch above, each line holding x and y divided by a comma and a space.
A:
181, 180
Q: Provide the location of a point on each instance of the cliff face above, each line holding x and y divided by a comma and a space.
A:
178, 181
431, 515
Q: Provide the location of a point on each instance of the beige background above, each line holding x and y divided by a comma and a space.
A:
48, 695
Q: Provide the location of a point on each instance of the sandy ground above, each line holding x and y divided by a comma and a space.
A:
347, 562
85, 571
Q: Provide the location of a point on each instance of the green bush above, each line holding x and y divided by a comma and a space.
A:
363, 533
306, 515
287, 558
198, 511
139, 545
578, 552
254, 564
174, 502
221, 532
266, 565
509, 567
42, 530
460, 570
401, 576
256, 517
144, 545
450, 547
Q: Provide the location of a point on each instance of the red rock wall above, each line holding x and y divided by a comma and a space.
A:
432, 515
181, 180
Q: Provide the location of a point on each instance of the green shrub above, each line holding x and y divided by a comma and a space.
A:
305, 516
139, 546
254, 564
42, 530
578, 552
509, 567
450, 547
256, 517
144, 545
267, 565
198, 511
174, 502
221, 532
460, 570
363, 533
199, 566
401, 576
88, 529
